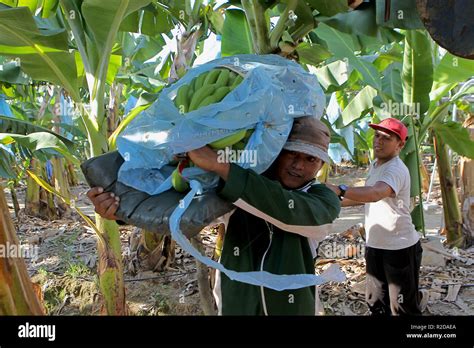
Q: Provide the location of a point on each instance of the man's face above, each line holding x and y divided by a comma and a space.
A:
295, 169
386, 145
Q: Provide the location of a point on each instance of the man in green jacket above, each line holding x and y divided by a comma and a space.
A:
275, 224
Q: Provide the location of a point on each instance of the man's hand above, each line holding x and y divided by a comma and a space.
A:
105, 203
206, 158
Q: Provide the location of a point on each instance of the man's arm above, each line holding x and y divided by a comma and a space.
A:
350, 203
365, 194
292, 211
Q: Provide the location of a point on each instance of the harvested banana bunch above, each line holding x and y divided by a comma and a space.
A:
206, 89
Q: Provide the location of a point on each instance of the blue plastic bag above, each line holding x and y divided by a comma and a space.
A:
275, 90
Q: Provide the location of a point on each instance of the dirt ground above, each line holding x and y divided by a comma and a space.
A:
66, 261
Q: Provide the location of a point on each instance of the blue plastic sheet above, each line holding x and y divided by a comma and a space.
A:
269, 280
4, 107
274, 91
337, 152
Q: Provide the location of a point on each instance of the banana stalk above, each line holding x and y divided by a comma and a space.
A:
205, 293
451, 211
17, 296
258, 25
32, 198
61, 183
277, 32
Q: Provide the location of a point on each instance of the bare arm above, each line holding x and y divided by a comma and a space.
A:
350, 203
365, 194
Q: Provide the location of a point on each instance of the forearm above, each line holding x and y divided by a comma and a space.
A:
358, 195
366, 194
350, 203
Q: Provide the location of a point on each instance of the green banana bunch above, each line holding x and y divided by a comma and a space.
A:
228, 140
206, 89
182, 100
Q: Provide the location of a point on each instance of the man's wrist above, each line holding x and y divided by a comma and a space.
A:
342, 191
222, 169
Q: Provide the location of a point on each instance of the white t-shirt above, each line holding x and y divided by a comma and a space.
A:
388, 222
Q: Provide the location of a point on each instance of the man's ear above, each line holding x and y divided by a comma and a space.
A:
402, 144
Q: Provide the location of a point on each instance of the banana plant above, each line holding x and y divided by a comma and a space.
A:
424, 85
29, 112
17, 294
417, 80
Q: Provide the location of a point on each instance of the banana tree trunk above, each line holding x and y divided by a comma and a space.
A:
202, 272
16, 205
17, 296
61, 183
110, 267
425, 178
467, 179
71, 174
113, 109
32, 197
48, 208
156, 250
451, 209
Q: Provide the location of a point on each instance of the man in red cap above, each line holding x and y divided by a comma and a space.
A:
393, 251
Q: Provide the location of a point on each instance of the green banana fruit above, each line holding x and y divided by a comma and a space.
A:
228, 140
211, 78
248, 134
243, 143
223, 78
219, 94
236, 82
240, 145
200, 81
181, 101
232, 76
191, 90
199, 96
179, 184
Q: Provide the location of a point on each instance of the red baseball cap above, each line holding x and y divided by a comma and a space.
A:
392, 125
